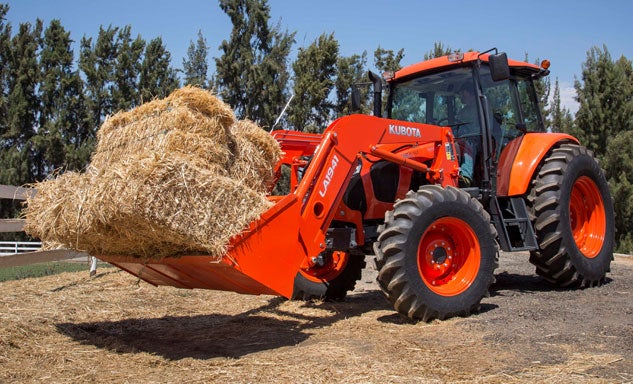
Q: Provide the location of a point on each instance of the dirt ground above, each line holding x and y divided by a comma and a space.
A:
69, 328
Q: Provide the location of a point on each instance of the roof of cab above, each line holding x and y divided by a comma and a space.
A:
441, 62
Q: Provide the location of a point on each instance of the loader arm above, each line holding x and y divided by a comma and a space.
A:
344, 143
289, 236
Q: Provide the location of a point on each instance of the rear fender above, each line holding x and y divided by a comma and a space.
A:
520, 159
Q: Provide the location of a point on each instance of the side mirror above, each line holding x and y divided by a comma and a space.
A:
499, 68
355, 99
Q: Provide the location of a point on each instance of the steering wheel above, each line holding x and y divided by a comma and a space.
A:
442, 122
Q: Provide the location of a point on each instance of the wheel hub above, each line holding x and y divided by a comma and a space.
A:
326, 266
440, 255
440, 259
448, 257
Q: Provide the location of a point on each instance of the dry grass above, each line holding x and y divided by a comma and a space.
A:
170, 177
71, 329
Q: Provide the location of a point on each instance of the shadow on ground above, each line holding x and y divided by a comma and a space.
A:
218, 335
527, 284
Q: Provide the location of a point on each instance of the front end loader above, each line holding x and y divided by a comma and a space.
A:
432, 191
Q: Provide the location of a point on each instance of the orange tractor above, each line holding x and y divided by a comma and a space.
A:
459, 166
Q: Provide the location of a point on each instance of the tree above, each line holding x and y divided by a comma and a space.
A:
438, 50
97, 62
619, 166
251, 74
157, 78
349, 71
23, 106
125, 93
604, 94
386, 60
314, 69
561, 118
7, 207
604, 123
272, 80
5, 57
195, 65
62, 129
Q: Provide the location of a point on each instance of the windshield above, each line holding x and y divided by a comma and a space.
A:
446, 98
508, 108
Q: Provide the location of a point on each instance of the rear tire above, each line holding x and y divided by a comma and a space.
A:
331, 281
573, 219
436, 254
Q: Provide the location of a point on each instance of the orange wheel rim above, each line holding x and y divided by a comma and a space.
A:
333, 267
449, 256
587, 217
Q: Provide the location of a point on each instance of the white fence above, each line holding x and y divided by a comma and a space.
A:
17, 253
13, 247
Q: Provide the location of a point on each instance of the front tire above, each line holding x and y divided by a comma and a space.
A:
436, 254
574, 219
331, 281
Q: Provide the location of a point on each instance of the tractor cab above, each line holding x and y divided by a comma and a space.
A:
486, 100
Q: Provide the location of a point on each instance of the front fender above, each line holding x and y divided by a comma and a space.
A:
520, 158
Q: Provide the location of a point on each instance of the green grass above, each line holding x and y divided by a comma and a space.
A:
44, 269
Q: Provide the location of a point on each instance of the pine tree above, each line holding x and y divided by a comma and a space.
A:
62, 131
157, 78
251, 74
604, 94
23, 106
438, 50
604, 123
195, 65
351, 70
314, 69
5, 57
271, 80
125, 94
249, 38
387, 60
8, 209
619, 166
561, 119
97, 62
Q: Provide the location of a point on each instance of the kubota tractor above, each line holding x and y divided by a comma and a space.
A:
459, 166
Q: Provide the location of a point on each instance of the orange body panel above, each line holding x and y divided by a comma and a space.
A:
520, 158
443, 61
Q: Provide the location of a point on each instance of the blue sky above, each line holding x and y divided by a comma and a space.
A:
561, 31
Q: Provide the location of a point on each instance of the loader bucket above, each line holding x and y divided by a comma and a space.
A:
262, 260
